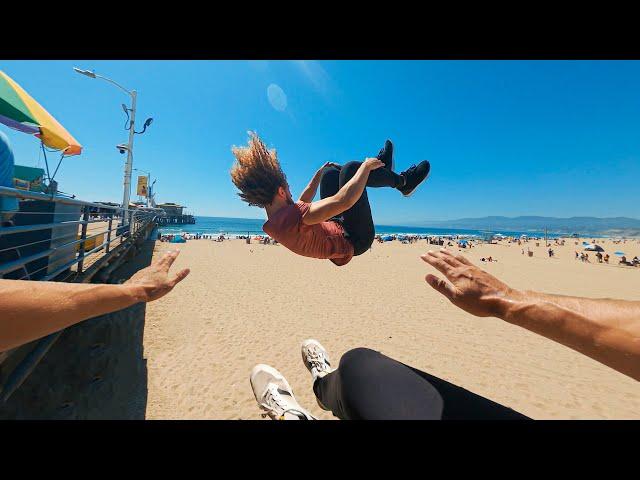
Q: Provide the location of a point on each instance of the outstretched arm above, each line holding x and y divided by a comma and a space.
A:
310, 191
31, 309
604, 329
349, 194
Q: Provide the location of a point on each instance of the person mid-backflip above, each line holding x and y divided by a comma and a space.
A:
336, 227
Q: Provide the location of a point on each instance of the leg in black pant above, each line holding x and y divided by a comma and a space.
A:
357, 221
370, 386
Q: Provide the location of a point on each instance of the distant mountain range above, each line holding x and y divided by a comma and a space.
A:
610, 226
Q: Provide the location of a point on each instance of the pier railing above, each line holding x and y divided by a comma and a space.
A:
58, 238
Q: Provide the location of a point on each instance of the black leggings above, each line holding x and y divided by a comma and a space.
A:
370, 386
357, 221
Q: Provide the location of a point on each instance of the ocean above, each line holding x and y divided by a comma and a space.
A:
242, 226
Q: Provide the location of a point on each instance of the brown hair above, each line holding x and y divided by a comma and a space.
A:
256, 172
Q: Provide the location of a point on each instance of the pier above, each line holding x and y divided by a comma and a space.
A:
173, 215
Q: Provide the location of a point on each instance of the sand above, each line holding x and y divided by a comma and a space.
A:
248, 304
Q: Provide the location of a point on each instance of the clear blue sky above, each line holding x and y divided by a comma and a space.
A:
558, 138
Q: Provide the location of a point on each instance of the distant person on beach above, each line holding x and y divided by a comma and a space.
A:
337, 227
60, 305
8, 205
368, 385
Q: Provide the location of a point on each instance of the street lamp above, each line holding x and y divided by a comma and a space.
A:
128, 165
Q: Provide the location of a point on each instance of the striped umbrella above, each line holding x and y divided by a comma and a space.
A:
18, 110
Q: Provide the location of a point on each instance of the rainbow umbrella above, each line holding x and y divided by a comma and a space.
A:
18, 110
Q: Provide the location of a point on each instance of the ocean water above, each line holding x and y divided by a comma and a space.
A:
242, 226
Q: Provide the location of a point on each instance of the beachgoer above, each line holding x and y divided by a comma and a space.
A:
368, 385
337, 227
61, 304
8, 205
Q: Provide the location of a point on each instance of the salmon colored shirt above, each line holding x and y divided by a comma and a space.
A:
322, 240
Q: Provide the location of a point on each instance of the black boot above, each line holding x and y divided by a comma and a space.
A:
414, 176
386, 155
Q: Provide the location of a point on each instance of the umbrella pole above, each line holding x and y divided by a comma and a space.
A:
59, 162
45, 161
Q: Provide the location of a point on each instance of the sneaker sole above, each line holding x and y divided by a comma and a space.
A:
414, 188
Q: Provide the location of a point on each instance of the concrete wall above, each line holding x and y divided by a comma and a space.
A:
96, 370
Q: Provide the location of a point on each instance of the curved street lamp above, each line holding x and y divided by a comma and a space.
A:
129, 164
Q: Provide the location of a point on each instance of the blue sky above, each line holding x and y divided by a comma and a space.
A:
557, 138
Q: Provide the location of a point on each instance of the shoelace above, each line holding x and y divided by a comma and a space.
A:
274, 402
316, 358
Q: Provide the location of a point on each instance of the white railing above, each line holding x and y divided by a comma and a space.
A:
52, 235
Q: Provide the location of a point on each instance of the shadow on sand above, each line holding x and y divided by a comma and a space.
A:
96, 369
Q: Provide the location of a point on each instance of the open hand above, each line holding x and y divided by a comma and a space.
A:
155, 281
373, 163
471, 289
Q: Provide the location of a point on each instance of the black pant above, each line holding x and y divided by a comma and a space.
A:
370, 386
357, 221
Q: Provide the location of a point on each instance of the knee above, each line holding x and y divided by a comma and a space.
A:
349, 169
355, 361
330, 174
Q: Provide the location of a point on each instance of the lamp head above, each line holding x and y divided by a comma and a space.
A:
86, 73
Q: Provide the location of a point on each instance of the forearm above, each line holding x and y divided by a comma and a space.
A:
352, 190
310, 191
606, 330
31, 310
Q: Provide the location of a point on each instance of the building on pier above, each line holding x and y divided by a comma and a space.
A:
173, 215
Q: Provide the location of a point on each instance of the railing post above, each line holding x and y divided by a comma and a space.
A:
83, 236
109, 234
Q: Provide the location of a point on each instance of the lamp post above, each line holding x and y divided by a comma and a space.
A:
149, 184
129, 147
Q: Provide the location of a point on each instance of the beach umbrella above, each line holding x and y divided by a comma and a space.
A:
18, 110
620, 254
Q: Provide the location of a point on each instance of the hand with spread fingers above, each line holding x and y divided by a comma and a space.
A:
471, 288
155, 279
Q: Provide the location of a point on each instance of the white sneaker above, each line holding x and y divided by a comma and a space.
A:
315, 358
274, 395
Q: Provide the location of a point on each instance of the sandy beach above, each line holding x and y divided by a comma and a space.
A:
248, 304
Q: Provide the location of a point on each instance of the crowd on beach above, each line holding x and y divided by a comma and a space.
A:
454, 241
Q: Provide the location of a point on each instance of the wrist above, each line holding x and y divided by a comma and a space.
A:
136, 293
509, 303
